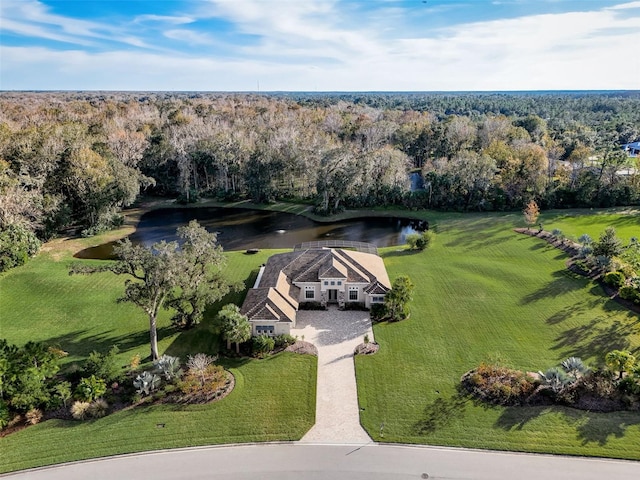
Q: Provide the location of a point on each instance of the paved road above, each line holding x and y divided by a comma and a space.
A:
337, 462
336, 334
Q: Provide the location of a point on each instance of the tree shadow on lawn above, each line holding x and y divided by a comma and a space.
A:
440, 413
572, 310
79, 344
480, 233
405, 252
205, 337
600, 427
515, 418
596, 338
591, 427
563, 283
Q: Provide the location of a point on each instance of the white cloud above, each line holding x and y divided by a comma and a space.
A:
189, 36
33, 18
312, 47
174, 20
625, 6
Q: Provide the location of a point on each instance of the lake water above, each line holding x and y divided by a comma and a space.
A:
240, 229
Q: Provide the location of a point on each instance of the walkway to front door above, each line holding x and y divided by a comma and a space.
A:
336, 334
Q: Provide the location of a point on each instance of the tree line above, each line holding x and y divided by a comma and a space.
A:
73, 160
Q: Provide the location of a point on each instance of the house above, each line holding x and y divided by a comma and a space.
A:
322, 276
632, 149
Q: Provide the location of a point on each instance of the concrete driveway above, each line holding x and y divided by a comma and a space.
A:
336, 334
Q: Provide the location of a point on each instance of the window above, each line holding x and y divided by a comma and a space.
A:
353, 293
377, 299
339, 282
333, 282
309, 292
264, 329
326, 282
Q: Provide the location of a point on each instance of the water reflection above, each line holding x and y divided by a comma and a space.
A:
240, 229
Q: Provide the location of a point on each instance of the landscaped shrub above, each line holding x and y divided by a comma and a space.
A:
262, 345
419, 241
629, 385
169, 367
104, 365
554, 379
17, 244
62, 393
134, 363
80, 410
98, 408
354, 306
90, 388
205, 383
5, 417
499, 385
615, 279
311, 306
378, 312
199, 364
33, 416
600, 383
284, 340
630, 293
146, 383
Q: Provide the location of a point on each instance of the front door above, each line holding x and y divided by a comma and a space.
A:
333, 296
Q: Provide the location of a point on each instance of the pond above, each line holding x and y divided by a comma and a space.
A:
240, 229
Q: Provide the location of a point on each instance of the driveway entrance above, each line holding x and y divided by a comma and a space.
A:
335, 333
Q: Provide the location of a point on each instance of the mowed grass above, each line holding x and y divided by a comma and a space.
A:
483, 293
576, 222
274, 399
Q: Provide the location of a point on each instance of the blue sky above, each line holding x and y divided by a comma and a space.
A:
319, 45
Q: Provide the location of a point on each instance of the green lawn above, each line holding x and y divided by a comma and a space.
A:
484, 292
274, 399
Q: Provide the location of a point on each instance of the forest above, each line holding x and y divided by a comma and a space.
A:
70, 161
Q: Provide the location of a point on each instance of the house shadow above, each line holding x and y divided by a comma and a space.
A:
440, 413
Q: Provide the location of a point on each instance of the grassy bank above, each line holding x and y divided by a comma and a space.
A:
482, 293
274, 399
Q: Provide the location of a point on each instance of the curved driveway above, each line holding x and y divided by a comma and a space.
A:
337, 462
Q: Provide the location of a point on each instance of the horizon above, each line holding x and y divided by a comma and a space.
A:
320, 45
333, 92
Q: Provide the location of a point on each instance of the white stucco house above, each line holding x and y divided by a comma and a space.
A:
319, 275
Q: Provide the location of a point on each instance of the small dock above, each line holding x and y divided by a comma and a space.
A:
358, 246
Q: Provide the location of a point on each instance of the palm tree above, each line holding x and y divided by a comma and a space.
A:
585, 239
574, 367
620, 361
235, 326
554, 378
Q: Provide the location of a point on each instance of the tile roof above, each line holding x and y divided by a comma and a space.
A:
277, 297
